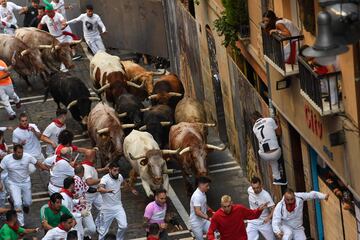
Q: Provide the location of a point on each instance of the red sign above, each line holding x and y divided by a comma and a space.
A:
313, 121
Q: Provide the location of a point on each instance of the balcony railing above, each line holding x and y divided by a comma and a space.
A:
281, 52
322, 91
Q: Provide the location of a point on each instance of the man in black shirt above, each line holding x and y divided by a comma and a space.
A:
30, 12
35, 22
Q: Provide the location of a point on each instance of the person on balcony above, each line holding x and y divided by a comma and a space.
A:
285, 28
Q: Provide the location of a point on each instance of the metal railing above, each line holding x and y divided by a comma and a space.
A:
274, 46
321, 90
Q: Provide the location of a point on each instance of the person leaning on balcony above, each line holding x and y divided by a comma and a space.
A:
286, 28
266, 131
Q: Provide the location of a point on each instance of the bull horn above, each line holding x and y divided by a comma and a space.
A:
129, 83
209, 124
57, 47
95, 148
103, 88
164, 124
185, 150
131, 125
167, 151
124, 114
145, 109
159, 73
153, 96
169, 171
210, 146
143, 128
45, 46
75, 42
175, 94
103, 130
94, 99
136, 158
73, 103
24, 52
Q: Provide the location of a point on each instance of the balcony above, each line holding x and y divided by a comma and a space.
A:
276, 51
322, 91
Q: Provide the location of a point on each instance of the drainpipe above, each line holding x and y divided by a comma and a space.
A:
271, 107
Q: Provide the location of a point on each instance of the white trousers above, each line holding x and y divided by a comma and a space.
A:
21, 195
40, 158
199, 229
7, 93
85, 226
254, 229
94, 199
95, 44
292, 233
105, 218
53, 189
272, 158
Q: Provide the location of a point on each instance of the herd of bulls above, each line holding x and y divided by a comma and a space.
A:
168, 120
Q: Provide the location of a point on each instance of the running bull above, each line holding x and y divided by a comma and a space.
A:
73, 93
106, 132
28, 60
168, 89
147, 161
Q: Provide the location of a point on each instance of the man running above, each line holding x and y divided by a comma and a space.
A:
61, 231
11, 229
287, 220
17, 167
91, 23
7, 16
30, 12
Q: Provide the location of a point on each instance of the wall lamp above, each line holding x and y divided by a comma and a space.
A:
337, 26
283, 84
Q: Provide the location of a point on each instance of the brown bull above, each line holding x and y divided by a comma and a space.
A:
191, 138
52, 51
106, 132
28, 60
167, 90
190, 110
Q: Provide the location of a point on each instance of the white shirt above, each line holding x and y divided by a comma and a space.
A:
32, 144
52, 131
50, 161
61, 170
90, 25
69, 203
255, 200
198, 199
59, 7
54, 24
18, 170
55, 234
292, 219
90, 172
111, 200
264, 129
294, 31
9, 11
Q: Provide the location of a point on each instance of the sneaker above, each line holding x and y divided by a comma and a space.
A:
12, 117
76, 57
26, 209
18, 105
280, 182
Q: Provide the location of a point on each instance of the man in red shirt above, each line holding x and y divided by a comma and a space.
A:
229, 220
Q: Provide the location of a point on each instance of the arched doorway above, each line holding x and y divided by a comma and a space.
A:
219, 105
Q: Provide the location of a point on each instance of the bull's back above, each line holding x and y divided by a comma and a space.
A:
104, 63
190, 110
138, 142
8, 45
35, 37
185, 134
132, 69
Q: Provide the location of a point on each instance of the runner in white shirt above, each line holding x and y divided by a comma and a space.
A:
59, 6
112, 206
266, 131
53, 130
287, 220
7, 16
199, 220
17, 166
91, 23
257, 197
61, 231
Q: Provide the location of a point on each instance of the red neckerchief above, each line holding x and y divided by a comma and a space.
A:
73, 36
87, 162
2, 147
61, 226
290, 207
15, 228
52, 208
24, 128
67, 192
58, 123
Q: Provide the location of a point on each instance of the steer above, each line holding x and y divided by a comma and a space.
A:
28, 60
190, 110
73, 93
157, 121
167, 90
147, 161
52, 51
109, 76
106, 132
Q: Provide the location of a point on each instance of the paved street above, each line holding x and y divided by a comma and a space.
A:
226, 174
